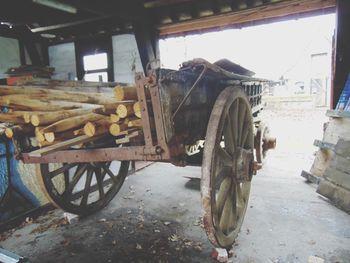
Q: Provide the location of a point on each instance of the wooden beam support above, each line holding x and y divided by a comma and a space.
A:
147, 39
261, 13
341, 56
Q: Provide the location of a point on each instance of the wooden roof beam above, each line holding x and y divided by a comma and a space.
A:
260, 13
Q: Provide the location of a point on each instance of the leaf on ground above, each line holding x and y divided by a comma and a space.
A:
138, 246
174, 238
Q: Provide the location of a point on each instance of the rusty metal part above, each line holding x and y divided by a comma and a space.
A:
145, 118
263, 142
227, 166
157, 111
269, 143
137, 153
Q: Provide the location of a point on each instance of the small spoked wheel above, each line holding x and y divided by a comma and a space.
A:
82, 188
227, 167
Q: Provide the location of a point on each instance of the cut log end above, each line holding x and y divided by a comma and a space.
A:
89, 129
34, 119
39, 135
118, 93
49, 136
9, 133
27, 117
137, 109
115, 129
122, 111
135, 123
125, 110
125, 93
114, 118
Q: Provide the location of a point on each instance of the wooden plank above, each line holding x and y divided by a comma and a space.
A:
343, 148
324, 145
337, 128
321, 162
269, 11
338, 170
126, 138
63, 145
336, 176
338, 114
337, 194
310, 177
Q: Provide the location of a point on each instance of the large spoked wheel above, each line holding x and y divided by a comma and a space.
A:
82, 188
227, 167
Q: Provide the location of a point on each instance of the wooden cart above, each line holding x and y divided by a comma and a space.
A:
198, 115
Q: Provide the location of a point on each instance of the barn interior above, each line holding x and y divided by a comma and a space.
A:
143, 191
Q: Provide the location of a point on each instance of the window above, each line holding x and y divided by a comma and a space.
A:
95, 67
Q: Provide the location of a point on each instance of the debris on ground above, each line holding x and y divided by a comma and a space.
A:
220, 254
314, 259
312, 242
199, 222
174, 238
54, 224
65, 242
138, 246
4, 236
71, 218
29, 220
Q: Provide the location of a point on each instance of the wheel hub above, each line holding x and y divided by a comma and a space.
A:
243, 165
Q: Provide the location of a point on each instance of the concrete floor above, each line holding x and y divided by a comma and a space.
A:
155, 216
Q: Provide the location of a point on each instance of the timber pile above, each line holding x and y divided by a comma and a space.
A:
61, 117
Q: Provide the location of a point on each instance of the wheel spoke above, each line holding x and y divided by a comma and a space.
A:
226, 216
235, 123
245, 133
239, 202
77, 175
233, 220
109, 172
222, 173
66, 179
242, 124
224, 156
104, 172
98, 176
229, 138
89, 174
61, 170
222, 194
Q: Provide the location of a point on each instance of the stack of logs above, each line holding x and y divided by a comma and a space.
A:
54, 116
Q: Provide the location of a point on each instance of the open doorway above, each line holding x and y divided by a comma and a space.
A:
294, 55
